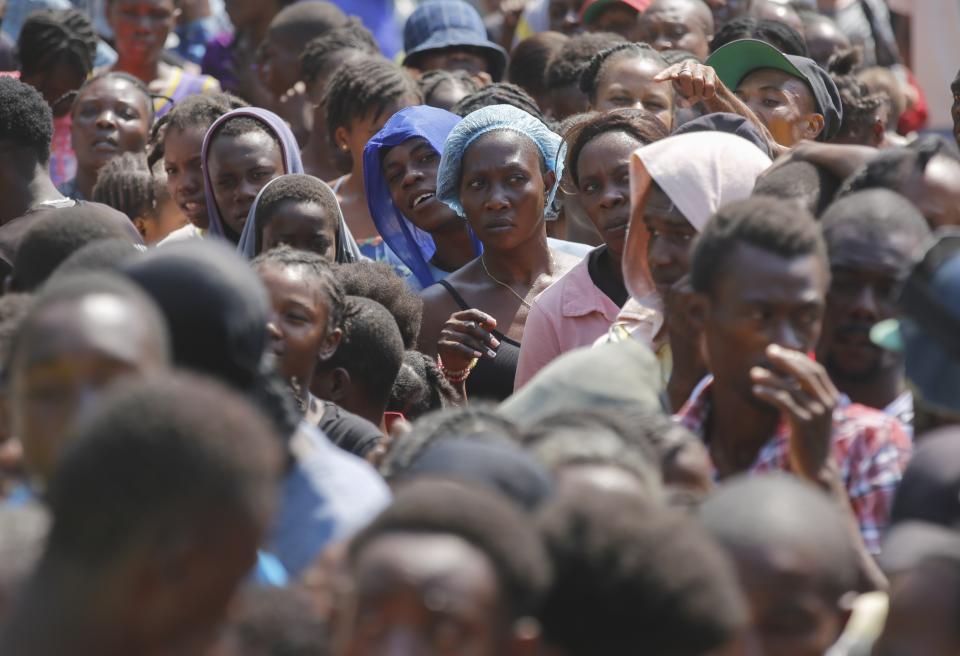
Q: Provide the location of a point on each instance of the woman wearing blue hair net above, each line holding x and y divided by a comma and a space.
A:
499, 171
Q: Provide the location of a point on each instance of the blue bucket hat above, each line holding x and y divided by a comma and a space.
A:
439, 24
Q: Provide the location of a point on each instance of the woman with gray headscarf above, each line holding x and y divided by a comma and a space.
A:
499, 171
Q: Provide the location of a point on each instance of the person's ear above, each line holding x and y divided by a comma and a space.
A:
549, 179
697, 308
141, 225
813, 125
339, 385
341, 137
329, 344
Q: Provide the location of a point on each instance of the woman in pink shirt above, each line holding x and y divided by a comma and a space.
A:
580, 307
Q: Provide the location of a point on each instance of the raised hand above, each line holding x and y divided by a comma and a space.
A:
467, 335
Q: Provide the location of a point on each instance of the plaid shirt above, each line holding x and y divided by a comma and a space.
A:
870, 448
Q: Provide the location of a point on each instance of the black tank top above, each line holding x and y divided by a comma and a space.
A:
491, 379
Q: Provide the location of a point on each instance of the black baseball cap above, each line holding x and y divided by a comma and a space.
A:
737, 59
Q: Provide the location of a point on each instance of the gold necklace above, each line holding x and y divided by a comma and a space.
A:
502, 284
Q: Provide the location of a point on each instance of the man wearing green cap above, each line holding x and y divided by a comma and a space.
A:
793, 97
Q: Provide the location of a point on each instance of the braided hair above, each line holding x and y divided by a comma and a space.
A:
126, 184
430, 81
365, 88
593, 73
780, 35
49, 37
861, 109
199, 110
499, 93
567, 65
640, 124
352, 36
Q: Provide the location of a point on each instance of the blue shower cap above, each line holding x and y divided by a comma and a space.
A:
477, 124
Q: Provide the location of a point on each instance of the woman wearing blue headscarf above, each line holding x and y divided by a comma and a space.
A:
500, 170
400, 166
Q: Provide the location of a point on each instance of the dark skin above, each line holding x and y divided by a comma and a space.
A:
824, 40
565, 16
55, 81
936, 192
688, 366
567, 101
24, 181
784, 103
182, 163
677, 25
867, 274
110, 116
503, 190
304, 225
239, 168
467, 60
923, 608
393, 606
727, 10
410, 169
955, 108
668, 241
618, 18
299, 325
446, 95
630, 82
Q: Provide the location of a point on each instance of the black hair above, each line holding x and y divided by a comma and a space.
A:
371, 349
590, 79
780, 35
54, 238
49, 37
627, 573
765, 223
127, 185
420, 387
301, 21
237, 126
893, 166
567, 65
200, 110
160, 457
429, 82
499, 93
137, 83
810, 185
297, 188
860, 107
874, 214
364, 88
278, 622
530, 59
319, 271
638, 123
379, 282
26, 119
484, 519
476, 421
351, 36
100, 255
13, 310
678, 56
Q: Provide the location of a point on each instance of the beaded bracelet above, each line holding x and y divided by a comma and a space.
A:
456, 377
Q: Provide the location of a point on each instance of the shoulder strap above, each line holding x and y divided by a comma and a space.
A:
456, 295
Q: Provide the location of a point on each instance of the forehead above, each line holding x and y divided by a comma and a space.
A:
143, 4
771, 77
614, 147
750, 273
112, 87
670, 10
254, 142
631, 69
501, 147
397, 154
297, 212
854, 248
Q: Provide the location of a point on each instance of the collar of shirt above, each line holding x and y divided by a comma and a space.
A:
580, 297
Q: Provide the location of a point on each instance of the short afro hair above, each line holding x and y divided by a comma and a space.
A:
874, 214
26, 120
627, 573
420, 387
54, 238
764, 223
101, 255
780, 35
371, 349
296, 188
237, 126
809, 185
278, 621
893, 166
485, 520
49, 37
638, 123
530, 59
378, 282
319, 271
153, 461
351, 36
499, 93
568, 63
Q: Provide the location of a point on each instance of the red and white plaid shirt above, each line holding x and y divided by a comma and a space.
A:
870, 449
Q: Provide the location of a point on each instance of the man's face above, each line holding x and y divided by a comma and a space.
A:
677, 25
760, 298
784, 103
867, 274
565, 16
922, 616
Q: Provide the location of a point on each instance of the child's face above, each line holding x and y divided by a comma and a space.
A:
239, 167
303, 225
162, 222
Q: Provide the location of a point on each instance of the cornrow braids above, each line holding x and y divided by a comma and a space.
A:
567, 65
365, 88
860, 107
590, 78
126, 184
430, 81
499, 93
49, 37
199, 110
644, 126
316, 54
318, 270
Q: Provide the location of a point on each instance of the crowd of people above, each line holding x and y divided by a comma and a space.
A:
568, 328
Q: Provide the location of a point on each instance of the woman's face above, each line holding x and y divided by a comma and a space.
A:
182, 161
354, 137
669, 239
298, 323
110, 116
303, 225
141, 27
627, 82
239, 167
503, 189
603, 166
411, 173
